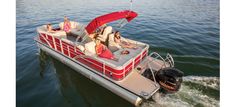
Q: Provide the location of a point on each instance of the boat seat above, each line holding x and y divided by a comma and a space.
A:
123, 59
81, 47
58, 34
106, 31
90, 48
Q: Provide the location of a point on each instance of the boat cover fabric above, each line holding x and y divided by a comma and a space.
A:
99, 21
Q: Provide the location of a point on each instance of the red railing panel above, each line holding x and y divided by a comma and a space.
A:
71, 51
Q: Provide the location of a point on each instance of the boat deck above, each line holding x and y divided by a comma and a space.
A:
139, 85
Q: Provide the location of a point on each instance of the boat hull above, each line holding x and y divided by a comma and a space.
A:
92, 75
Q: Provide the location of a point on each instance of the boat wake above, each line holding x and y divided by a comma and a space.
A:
195, 91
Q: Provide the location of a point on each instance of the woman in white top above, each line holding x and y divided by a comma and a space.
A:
123, 44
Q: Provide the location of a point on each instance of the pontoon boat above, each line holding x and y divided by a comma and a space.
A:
135, 77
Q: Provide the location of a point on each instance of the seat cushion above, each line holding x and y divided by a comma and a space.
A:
81, 48
90, 47
59, 34
107, 31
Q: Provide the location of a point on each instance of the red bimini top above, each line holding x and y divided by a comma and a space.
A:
99, 21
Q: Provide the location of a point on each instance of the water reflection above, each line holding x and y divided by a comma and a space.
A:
43, 58
77, 90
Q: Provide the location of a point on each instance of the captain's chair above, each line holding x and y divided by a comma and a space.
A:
105, 33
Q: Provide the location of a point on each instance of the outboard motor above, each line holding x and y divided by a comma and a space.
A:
170, 79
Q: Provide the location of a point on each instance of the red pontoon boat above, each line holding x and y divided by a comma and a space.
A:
135, 76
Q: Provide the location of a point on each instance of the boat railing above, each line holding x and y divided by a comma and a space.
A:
66, 49
168, 59
103, 67
155, 56
103, 64
46, 40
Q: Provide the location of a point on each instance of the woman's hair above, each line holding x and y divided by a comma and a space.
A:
97, 39
66, 19
48, 25
115, 35
96, 35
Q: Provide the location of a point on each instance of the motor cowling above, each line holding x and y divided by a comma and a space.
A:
169, 78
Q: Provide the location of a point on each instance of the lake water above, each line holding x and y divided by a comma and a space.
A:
187, 29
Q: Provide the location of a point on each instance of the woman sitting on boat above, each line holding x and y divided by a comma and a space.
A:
123, 44
67, 26
102, 51
50, 29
